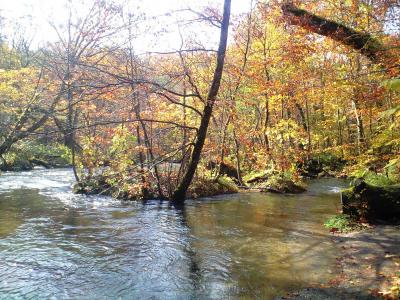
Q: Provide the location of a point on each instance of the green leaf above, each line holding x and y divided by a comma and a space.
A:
392, 84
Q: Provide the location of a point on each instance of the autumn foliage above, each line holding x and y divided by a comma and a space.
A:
289, 95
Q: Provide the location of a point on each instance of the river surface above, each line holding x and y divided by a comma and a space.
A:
57, 245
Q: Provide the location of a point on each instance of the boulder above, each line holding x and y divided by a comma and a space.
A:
283, 186
365, 202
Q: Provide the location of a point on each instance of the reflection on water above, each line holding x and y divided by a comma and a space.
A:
60, 245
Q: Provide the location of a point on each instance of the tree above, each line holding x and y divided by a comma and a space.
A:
26, 100
27, 106
180, 193
80, 47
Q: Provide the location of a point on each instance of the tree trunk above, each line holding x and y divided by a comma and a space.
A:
365, 43
180, 193
237, 153
266, 124
309, 147
148, 146
222, 153
360, 126
145, 190
302, 116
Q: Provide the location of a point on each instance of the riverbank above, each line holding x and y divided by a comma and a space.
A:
368, 267
27, 156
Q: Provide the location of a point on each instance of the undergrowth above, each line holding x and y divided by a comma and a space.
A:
342, 223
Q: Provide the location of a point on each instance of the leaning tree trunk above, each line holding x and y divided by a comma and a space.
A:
363, 42
180, 193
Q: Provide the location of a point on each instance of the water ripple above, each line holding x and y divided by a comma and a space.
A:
57, 245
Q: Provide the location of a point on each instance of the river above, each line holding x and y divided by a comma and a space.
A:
57, 245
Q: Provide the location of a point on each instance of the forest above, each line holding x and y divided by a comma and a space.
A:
263, 103
288, 95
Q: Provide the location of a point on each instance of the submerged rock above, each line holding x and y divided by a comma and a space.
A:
283, 186
371, 203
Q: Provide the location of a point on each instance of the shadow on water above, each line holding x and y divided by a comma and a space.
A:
55, 244
195, 270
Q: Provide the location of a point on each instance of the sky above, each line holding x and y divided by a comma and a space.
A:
38, 13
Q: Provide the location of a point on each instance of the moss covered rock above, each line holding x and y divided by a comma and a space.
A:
207, 187
283, 186
370, 203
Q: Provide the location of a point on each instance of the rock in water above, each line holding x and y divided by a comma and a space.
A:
283, 186
372, 203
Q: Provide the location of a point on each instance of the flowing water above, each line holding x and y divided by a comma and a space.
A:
56, 245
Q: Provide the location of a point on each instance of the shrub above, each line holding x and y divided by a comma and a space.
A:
342, 223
